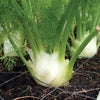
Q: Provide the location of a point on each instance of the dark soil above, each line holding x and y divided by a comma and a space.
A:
19, 85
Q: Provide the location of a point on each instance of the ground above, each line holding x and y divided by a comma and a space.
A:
84, 85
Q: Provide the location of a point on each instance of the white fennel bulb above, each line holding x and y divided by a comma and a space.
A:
18, 40
49, 70
90, 50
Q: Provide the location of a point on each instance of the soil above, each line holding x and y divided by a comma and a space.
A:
19, 85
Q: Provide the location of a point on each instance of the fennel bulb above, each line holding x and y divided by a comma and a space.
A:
8, 48
49, 70
90, 50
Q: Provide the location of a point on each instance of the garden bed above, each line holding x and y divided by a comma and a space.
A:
84, 85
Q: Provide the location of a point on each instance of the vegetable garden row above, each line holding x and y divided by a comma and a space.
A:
57, 41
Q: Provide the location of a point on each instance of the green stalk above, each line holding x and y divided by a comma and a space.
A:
68, 46
67, 24
35, 41
64, 22
97, 19
84, 20
84, 28
34, 27
72, 37
78, 23
37, 37
31, 40
28, 12
73, 41
81, 47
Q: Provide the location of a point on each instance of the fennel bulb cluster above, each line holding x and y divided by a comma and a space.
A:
49, 70
52, 69
90, 50
18, 40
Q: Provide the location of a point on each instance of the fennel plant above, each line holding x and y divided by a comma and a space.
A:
47, 25
87, 18
9, 24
